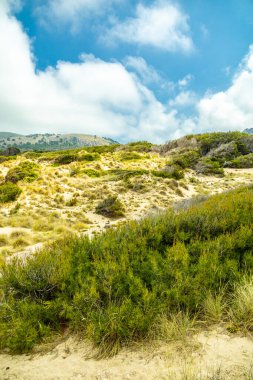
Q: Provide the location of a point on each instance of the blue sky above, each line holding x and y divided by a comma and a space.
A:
126, 69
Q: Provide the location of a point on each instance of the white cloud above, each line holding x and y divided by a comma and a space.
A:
184, 99
72, 12
185, 81
147, 73
231, 109
92, 96
162, 25
141, 67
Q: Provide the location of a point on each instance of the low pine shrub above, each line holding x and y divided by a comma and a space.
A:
65, 159
208, 167
128, 156
9, 192
241, 162
25, 171
111, 207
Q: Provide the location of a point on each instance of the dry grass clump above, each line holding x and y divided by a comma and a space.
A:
3, 241
241, 308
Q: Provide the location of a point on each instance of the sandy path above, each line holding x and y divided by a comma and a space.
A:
209, 352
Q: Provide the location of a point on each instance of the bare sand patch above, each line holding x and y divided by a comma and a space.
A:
210, 352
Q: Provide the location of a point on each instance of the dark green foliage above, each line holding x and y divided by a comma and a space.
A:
241, 162
186, 160
110, 207
65, 159
210, 141
208, 167
115, 286
89, 157
25, 171
102, 149
139, 146
9, 192
208, 153
128, 156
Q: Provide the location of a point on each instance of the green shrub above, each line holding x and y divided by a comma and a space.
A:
241, 162
65, 159
110, 207
128, 156
89, 157
25, 171
186, 160
170, 171
210, 141
92, 173
115, 287
9, 192
102, 149
208, 167
139, 146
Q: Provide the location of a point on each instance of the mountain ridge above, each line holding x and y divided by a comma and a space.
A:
51, 142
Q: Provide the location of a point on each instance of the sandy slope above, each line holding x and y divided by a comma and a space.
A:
209, 353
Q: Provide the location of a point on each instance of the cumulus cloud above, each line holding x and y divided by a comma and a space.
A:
184, 99
92, 96
147, 73
72, 12
231, 109
162, 25
185, 81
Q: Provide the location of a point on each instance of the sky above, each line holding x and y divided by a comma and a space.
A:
126, 69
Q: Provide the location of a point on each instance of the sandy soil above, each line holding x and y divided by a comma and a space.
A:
209, 353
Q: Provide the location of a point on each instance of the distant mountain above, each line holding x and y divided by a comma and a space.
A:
49, 142
4, 135
248, 130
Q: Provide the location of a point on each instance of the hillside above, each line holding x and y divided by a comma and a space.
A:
138, 244
249, 130
50, 142
5, 135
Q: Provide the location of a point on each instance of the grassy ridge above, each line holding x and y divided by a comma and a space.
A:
115, 287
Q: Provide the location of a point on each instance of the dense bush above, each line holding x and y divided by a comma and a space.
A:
241, 162
210, 141
111, 207
186, 160
224, 152
26, 171
65, 159
207, 166
114, 287
102, 149
139, 146
9, 192
88, 157
128, 156
92, 172
170, 171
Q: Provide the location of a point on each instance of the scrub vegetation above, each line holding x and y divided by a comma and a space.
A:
177, 249
114, 289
